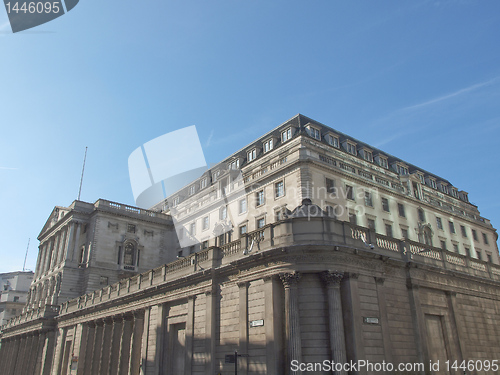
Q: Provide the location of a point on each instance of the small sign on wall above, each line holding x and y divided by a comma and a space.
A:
257, 323
370, 320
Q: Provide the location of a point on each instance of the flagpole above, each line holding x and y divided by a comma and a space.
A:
83, 169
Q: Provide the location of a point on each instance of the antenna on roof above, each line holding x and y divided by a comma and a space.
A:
26, 256
83, 169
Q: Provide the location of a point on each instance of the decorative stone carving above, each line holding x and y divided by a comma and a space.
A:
332, 278
290, 279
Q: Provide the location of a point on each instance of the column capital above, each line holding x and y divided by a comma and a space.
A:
380, 280
242, 284
290, 279
331, 278
138, 314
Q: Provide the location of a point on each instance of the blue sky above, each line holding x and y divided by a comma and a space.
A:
418, 79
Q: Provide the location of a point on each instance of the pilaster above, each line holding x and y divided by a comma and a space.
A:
292, 320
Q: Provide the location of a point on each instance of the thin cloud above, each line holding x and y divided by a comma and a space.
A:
452, 95
209, 140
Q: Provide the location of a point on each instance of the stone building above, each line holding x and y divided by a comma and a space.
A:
14, 288
305, 246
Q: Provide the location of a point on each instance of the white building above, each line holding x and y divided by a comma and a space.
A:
14, 288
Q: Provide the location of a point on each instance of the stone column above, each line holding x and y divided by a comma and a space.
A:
243, 323
418, 320
38, 262
57, 249
96, 352
39, 353
106, 346
69, 242
63, 244
13, 354
136, 347
384, 321
32, 350
86, 359
210, 334
44, 259
77, 241
116, 340
47, 353
273, 302
189, 334
292, 322
125, 345
335, 319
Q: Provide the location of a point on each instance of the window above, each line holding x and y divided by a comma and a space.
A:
485, 238
352, 218
203, 183
421, 177
401, 210
455, 248
268, 145
243, 206
388, 230
439, 223
332, 140
404, 233
313, 132
490, 259
204, 245
385, 204
260, 197
443, 188
261, 223
235, 164
432, 183
421, 215
286, 135
443, 245
330, 185
474, 234
427, 236
103, 280
368, 156
179, 254
251, 155
129, 254
383, 162
131, 228
223, 213
368, 199
351, 148
467, 252
243, 229
279, 189
452, 227
192, 190
479, 254
175, 202
16, 299
371, 224
206, 223
349, 193
463, 230
215, 176
192, 229
401, 169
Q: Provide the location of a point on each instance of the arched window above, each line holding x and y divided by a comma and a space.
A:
129, 254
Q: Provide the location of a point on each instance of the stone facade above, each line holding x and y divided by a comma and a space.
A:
327, 252
14, 287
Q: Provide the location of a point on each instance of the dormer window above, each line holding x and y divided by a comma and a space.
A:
350, 147
332, 140
432, 183
382, 161
367, 155
286, 135
215, 175
313, 132
421, 177
235, 164
454, 192
400, 169
268, 145
251, 155
203, 183
175, 202
443, 188
192, 189
463, 196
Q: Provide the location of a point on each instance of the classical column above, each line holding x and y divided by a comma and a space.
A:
243, 323
96, 353
44, 258
69, 242
14, 355
106, 346
56, 249
86, 359
335, 319
77, 242
38, 262
273, 302
210, 327
292, 322
136, 347
39, 353
125, 345
353, 320
47, 354
384, 321
116, 340
189, 334
63, 244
